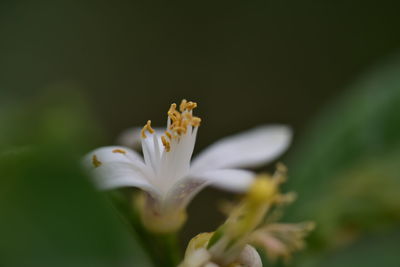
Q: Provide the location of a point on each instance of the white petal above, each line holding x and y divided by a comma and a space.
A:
249, 149
228, 179
118, 167
112, 175
249, 257
151, 151
132, 137
184, 190
110, 154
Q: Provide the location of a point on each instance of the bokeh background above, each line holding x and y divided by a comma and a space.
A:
74, 74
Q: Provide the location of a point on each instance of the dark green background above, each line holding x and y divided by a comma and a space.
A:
245, 62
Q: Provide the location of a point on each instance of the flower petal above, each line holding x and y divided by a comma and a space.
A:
112, 175
183, 191
111, 154
229, 179
249, 149
113, 167
132, 137
249, 257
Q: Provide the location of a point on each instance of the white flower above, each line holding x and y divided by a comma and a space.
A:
166, 172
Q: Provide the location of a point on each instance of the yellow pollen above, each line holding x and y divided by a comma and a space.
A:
96, 163
187, 106
196, 121
179, 122
148, 128
121, 151
165, 143
172, 110
168, 135
174, 115
191, 105
182, 106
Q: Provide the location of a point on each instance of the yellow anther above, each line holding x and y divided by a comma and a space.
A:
151, 130
96, 163
121, 151
191, 105
174, 115
182, 106
165, 143
187, 106
168, 135
179, 121
172, 110
148, 128
196, 121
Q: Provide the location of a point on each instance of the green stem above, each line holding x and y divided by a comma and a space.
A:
173, 252
163, 249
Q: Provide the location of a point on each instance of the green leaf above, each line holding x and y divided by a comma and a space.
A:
50, 213
372, 251
360, 129
346, 167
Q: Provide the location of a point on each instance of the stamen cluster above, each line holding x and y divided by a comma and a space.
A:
178, 122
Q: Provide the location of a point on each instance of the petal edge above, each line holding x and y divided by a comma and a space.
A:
248, 149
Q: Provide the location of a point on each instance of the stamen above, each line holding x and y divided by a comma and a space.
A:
191, 105
196, 121
165, 143
179, 130
174, 115
96, 163
168, 135
184, 124
187, 106
121, 151
172, 112
182, 106
179, 121
148, 128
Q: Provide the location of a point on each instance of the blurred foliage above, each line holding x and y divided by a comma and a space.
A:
58, 114
50, 213
369, 252
346, 169
165, 249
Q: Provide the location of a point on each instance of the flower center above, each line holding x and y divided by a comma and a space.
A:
178, 123
168, 156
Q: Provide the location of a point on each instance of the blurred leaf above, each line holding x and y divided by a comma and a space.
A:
50, 213
346, 169
365, 198
59, 114
369, 252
